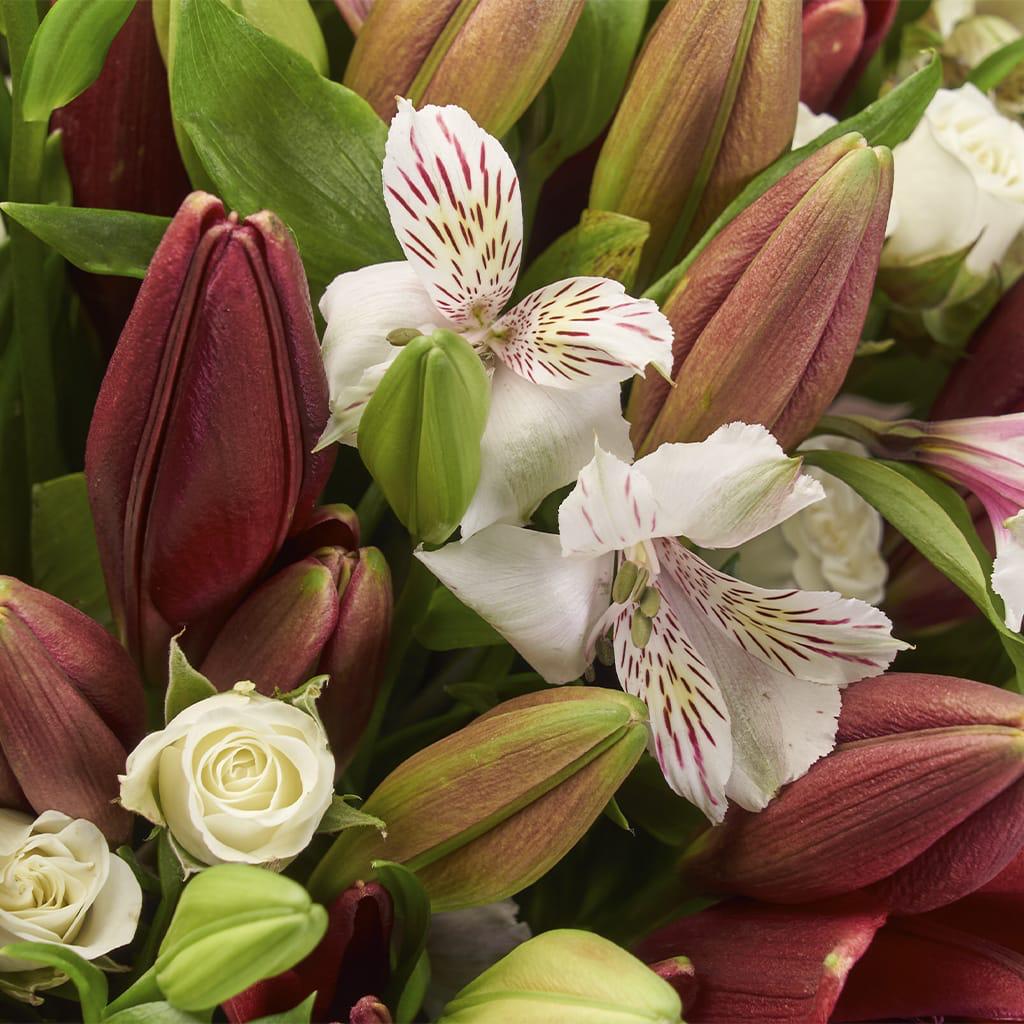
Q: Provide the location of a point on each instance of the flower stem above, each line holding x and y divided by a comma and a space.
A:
31, 326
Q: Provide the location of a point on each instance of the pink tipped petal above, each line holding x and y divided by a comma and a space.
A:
545, 606
812, 635
725, 490
537, 439
689, 720
453, 196
361, 308
582, 331
611, 508
1008, 568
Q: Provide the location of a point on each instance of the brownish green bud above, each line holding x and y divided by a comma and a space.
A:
711, 103
486, 811
768, 317
489, 56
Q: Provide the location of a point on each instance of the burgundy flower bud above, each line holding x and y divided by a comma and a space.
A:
345, 970
70, 709
923, 799
198, 459
119, 148
327, 613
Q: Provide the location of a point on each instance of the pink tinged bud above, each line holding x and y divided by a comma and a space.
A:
345, 970
198, 459
762, 963
680, 973
768, 318
831, 38
712, 101
989, 379
490, 57
922, 796
354, 12
369, 1010
70, 709
118, 144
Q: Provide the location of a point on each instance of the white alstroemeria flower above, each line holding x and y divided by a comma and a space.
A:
742, 683
556, 358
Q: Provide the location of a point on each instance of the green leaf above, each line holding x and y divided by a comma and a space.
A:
67, 53
420, 433
186, 686
997, 66
15, 495
886, 122
409, 939
301, 1014
273, 134
158, 1013
88, 979
342, 815
99, 241
925, 284
450, 626
603, 244
65, 559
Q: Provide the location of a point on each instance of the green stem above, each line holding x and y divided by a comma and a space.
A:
145, 990
369, 511
31, 329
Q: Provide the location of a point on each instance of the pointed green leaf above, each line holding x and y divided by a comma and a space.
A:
342, 815
997, 66
412, 909
186, 686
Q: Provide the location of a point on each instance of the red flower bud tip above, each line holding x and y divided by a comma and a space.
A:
832, 35
119, 148
923, 798
70, 709
369, 1010
346, 968
680, 973
198, 459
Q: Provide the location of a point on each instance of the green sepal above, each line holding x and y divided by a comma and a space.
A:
342, 815
185, 686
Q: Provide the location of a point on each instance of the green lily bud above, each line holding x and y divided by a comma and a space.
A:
768, 317
235, 925
490, 57
420, 434
711, 103
486, 811
569, 976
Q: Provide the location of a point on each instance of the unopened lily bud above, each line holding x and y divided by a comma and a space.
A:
768, 317
198, 459
832, 34
711, 103
490, 57
70, 708
350, 963
118, 143
923, 797
234, 926
327, 614
569, 976
486, 811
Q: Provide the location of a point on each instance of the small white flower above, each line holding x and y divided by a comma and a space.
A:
60, 884
238, 777
741, 683
556, 358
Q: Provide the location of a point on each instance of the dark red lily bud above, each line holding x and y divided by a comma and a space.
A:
198, 459
350, 963
922, 799
327, 613
120, 152
70, 709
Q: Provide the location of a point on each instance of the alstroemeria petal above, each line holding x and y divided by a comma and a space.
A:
611, 508
453, 196
689, 719
1008, 568
544, 605
731, 487
536, 440
361, 308
582, 331
808, 634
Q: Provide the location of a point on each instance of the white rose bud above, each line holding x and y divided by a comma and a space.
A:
958, 178
833, 544
60, 884
238, 777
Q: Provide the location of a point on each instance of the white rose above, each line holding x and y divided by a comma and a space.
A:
959, 177
833, 544
60, 884
235, 778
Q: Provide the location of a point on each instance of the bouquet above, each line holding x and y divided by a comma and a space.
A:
512, 511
